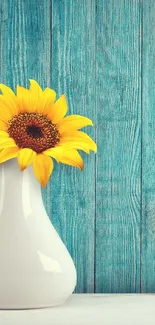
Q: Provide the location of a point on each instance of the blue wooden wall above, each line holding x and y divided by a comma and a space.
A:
101, 54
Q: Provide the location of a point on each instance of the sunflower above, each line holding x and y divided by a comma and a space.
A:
33, 128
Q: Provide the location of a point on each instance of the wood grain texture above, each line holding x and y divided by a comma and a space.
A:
119, 146
148, 148
25, 42
73, 72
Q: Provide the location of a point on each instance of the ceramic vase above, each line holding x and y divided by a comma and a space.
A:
36, 270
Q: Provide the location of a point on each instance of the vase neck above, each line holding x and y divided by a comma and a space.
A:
18, 190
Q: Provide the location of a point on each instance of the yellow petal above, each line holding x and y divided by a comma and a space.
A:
6, 91
6, 142
7, 154
49, 96
78, 138
73, 144
42, 166
23, 99
35, 87
29, 100
10, 98
3, 134
36, 94
7, 110
50, 93
85, 137
73, 158
58, 110
55, 153
73, 122
5, 115
25, 157
3, 125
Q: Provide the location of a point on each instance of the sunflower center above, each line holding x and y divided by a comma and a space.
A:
34, 131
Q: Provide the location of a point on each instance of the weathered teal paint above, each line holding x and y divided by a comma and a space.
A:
148, 148
100, 53
118, 181
73, 73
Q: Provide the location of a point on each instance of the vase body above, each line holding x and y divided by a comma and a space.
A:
36, 269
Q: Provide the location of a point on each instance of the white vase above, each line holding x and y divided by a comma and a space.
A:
36, 269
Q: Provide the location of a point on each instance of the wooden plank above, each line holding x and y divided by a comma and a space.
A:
86, 309
73, 73
25, 42
148, 146
25, 46
118, 74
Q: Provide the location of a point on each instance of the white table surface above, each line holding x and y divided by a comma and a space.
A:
89, 309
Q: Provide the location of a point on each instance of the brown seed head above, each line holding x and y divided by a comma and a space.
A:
34, 131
